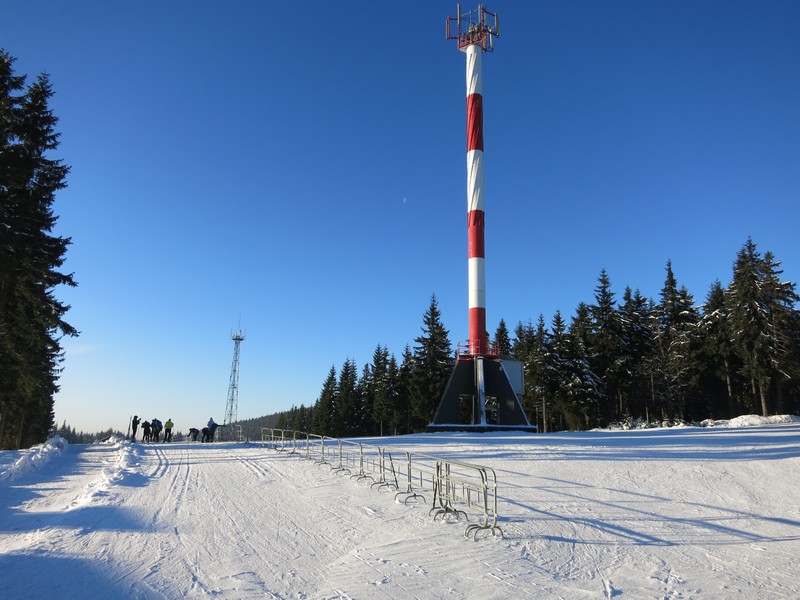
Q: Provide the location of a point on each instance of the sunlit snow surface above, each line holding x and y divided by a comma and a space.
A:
686, 512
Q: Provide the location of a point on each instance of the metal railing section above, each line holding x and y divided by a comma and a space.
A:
458, 488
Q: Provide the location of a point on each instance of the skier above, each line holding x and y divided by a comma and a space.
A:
212, 427
168, 431
146, 431
193, 431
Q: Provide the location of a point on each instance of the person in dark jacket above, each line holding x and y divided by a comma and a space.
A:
193, 431
134, 427
146, 431
156, 426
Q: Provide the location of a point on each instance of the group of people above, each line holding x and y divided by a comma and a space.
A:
151, 430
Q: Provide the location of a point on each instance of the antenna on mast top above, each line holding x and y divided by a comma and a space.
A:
477, 26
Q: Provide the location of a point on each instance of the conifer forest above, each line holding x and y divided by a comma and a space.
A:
629, 362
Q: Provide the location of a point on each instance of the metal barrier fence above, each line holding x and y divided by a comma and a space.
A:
457, 488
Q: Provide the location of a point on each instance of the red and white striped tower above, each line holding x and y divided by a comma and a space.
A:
478, 340
475, 36
480, 394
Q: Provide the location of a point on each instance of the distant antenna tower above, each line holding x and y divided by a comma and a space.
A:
232, 406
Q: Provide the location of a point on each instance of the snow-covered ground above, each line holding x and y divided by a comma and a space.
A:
686, 512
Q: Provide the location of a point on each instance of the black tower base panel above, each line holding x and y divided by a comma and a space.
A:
433, 428
479, 397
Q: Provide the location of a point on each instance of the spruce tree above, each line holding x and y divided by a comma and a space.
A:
719, 363
636, 318
604, 346
31, 318
433, 363
401, 422
322, 420
380, 390
584, 391
347, 408
750, 321
502, 340
780, 300
677, 320
389, 425
556, 374
536, 376
522, 348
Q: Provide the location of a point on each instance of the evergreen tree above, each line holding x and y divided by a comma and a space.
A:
362, 423
283, 421
522, 348
581, 325
296, 419
572, 388
347, 408
556, 374
637, 332
584, 391
380, 388
780, 300
760, 306
389, 425
522, 344
31, 318
322, 421
366, 398
677, 320
433, 363
605, 347
307, 418
402, 394
748, 318
536, 376
717, 355
502, 340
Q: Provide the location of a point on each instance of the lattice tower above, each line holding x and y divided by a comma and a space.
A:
232, 405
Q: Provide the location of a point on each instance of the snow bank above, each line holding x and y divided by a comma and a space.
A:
35, 457
742, 421
125, 458
751, 421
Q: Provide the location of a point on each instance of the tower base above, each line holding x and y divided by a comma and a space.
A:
432, 428
479, 397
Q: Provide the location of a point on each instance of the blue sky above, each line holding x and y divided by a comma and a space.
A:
298, 169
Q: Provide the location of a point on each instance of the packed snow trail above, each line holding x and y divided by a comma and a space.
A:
689, 513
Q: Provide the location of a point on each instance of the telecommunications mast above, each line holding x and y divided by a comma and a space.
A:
483, 391
232, 406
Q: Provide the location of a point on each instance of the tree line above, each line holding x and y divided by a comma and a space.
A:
671, 360
73, 436
31, 318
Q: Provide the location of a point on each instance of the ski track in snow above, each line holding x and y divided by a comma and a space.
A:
677, 514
